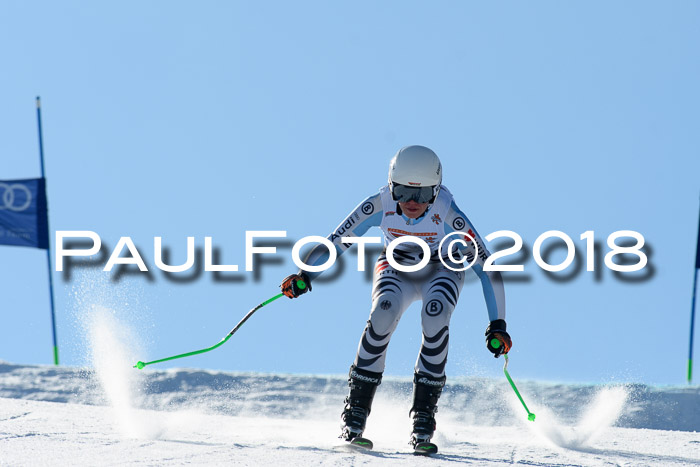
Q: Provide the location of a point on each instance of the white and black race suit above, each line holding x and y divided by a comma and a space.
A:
437, 286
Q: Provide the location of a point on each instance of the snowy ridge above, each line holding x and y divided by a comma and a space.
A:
473, 401
114, 414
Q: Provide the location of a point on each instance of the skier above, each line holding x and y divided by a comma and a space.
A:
413, 203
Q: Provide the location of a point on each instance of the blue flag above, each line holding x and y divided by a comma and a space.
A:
23, 213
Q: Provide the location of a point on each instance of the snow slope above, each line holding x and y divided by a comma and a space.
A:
111, 414
64, 416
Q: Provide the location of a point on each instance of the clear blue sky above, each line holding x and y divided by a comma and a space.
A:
179, 119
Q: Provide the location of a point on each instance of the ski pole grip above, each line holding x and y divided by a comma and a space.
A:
301, 284
495, 343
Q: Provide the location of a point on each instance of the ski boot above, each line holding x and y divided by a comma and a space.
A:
363, 384
426, 392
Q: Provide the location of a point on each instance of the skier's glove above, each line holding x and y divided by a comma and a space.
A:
497, 339
291, 285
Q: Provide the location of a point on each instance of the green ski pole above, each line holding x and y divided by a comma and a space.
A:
495, 343
141, 364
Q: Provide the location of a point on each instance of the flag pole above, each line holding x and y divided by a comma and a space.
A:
48, 247
692, 308
692, 326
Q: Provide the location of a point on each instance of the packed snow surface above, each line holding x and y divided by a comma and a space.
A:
111, 414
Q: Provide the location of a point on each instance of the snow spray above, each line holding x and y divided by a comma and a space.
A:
600, 414
102, 308
110, 344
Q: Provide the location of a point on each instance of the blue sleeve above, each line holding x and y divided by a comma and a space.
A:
491, 281
367, 214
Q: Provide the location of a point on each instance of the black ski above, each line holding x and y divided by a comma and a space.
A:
425, 449
362, 443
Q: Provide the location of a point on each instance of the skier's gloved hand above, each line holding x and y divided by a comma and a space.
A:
497, 339
295, 284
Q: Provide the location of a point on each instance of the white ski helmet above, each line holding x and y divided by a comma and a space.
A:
415, 173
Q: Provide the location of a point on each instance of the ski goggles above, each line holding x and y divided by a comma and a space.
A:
419, 194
